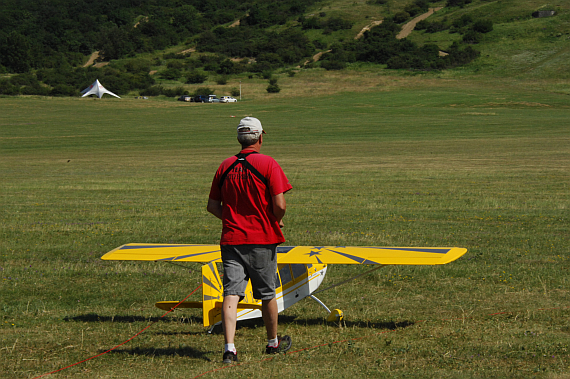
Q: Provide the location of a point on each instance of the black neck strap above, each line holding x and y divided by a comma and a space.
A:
241, 159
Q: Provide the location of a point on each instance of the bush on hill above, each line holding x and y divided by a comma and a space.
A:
457, 3
195, 77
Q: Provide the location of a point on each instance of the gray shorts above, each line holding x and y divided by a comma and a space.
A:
245, 262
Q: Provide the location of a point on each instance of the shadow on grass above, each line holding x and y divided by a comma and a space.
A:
383, 325
183, 351
246, 324
94, 317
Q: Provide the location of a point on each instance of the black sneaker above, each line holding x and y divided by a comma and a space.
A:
283, 345
230, 356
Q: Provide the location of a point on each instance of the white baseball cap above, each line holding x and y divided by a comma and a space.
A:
250, 125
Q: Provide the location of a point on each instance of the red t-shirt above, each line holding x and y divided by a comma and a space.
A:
247, 216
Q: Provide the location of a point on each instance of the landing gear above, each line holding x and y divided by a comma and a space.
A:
335, 316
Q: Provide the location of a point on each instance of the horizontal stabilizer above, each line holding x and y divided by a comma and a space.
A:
168, 305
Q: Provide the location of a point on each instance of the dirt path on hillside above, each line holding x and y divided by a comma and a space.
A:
319, 55
92, 59
367, 28
191, 50
409, 27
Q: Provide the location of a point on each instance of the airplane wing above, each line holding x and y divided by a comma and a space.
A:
164, 252
294, 254
371, 255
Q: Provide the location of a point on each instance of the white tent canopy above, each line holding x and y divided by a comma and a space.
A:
97, 89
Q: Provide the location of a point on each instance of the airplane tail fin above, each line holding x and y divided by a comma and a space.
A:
212, 293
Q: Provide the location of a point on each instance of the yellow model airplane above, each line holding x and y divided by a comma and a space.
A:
300, 271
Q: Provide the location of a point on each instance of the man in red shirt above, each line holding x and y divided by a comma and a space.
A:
247, 194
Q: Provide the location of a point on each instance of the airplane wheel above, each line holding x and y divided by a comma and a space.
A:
335, 316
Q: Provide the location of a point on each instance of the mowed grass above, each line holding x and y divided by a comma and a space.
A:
452, 164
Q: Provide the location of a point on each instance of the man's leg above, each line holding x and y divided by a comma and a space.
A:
229, 317
275, 345
270, 312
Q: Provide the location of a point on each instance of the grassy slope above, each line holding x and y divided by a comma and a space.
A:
519, 46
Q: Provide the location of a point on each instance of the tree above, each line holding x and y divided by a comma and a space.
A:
483, 26
457, 3
15, 53
186, 18
226, 67
171, 74
333, 65
114, 43
273, 86
401, 17
195, 77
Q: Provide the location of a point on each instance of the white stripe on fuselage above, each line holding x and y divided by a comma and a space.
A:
282, 297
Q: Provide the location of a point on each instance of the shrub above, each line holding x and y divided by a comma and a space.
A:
6, 88
472, 37
273, 88
310, 23
212, 66
23, 80
35, 90
226, 67
333, 65
413, 9
222, 80
175, 64
174, 92
422, 25
204, 91
457, 3
463, 21
64, 90
235, 92
137, 65
195, 77
436, 26
171, 74
338, 23
401, 17
152, 91
483, 26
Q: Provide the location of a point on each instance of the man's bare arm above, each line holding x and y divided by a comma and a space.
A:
279, 207
215, 208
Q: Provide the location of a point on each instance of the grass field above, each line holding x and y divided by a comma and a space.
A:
485, 167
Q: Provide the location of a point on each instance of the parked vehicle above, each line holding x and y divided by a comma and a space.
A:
227, 99
185, 98
206, 99
201, 99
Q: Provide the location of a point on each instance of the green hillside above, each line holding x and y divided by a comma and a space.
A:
174, 47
